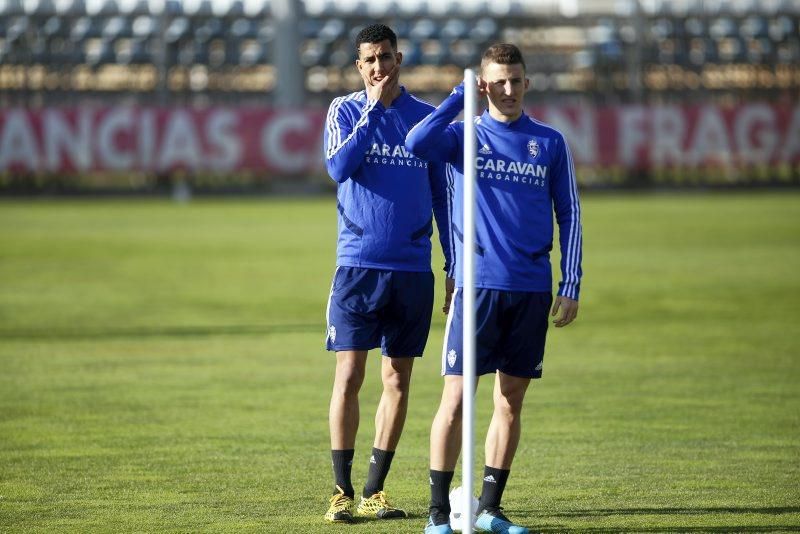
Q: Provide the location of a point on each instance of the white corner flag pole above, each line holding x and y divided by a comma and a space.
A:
468, 344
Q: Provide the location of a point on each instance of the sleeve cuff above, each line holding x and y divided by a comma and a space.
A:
374, 104
569, 290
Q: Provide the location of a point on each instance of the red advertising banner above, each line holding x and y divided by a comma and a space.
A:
288, 142
645, 137
218, 139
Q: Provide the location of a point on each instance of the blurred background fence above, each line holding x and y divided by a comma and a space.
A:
231, 95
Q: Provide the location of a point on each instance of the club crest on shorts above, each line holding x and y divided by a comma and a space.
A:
332, 333
451, 357
533, 148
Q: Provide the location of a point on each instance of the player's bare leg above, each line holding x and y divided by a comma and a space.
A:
502, 439
445, 448
505, 428
344, 409
343, 420
393, 406
389, 420
446, 427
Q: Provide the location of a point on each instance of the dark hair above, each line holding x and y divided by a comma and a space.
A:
502, 54
375, 33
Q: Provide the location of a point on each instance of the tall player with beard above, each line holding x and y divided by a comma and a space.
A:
382, 290
524, 174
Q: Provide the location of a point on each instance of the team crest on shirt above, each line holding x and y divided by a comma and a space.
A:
451, 357
332, 333
533, 148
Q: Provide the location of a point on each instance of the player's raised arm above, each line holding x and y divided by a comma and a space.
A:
568, 216
346, 139
433, 138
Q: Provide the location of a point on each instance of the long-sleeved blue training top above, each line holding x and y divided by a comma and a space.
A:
524, 173
386, 194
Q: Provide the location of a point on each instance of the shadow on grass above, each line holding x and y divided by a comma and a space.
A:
772, 510
731, 528
158, 331
606, 512
399, 521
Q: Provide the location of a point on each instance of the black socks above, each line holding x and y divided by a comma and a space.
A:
342, 466
440, 495
494, 483
379, 464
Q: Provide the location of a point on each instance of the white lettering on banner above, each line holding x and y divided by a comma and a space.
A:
181, 147
124, 139
791, 144
227, 149
669, 134
273, 142
756, 122
110, 155
18, 142
632, 134
710, 142
147, 139
755, 137
60, 137
581, 134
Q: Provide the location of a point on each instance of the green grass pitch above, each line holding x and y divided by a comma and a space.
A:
162, 369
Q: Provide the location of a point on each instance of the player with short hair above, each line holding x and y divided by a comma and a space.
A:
382, 290
524, 173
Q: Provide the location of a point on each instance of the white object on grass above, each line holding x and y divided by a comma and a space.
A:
456, 517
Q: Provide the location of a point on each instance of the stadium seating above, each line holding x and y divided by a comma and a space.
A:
573, 49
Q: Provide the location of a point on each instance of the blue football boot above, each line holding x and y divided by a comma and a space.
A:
442, 528
495, 521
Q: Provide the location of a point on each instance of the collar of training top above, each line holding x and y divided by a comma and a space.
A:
494, 123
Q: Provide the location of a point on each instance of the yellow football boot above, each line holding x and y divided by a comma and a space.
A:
341, 508
377, 506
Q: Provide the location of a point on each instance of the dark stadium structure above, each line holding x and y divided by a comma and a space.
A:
65, 51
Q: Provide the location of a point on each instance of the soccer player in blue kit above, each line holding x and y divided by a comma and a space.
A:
524, 174
382, 290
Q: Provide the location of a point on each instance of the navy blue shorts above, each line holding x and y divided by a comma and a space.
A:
511, 330
371, 308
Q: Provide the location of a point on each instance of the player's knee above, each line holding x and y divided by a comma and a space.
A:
349, 379
509, 395
509, 406
449, 414
452, 402
397, 383
396, 374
